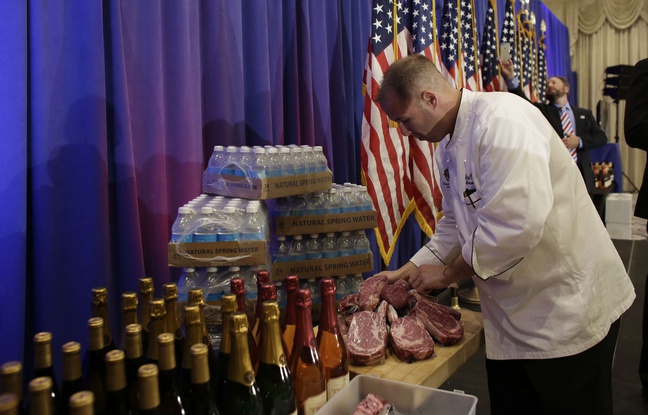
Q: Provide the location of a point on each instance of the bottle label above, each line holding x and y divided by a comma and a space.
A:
314, 403
334, 385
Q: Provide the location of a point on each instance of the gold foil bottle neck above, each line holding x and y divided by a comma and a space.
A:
196, 297
238, 323
170, 291
81, 403
95, 329
146, 285
192, 315
271, 347
134, 346
147, 385
11, 376
228, 303
100, 295
71, 361
239, 367
129, 301
42, 350
40, 384
115, 371
270, 310
199, 366
157, 308
9, 404
166, 351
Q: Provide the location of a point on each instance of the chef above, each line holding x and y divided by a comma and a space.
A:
519, 220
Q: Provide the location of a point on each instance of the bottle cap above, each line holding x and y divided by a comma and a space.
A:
146, 285
291, 282
298, 237
304, 299
133, 329
212, 269
270, 310
114, 356
99, 295
182, 210
40, 384
237, 286
81, 399
147, 371
8, 401
70, 348
314, 235
157, 308
327, 286
228, 303
43, 337
192, 315
129, 301
196, 297
238, 322
262, 277
206, 210
170, 291
268, 292
95, 323
200, 349
245, 149
11, 368
259, 150
232, 149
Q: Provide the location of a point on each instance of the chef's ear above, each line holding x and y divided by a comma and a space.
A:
429, 97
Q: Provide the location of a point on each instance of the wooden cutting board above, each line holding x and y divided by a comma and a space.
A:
435, 371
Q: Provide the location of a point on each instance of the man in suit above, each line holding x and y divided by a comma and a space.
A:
587, 133
636, 135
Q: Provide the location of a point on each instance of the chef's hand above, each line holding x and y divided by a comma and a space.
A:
402, 272
571, 141
427, 278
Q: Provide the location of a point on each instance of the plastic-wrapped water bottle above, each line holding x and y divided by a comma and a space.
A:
309, 159
281, 294
181, 229
364, 200
282, 254
189, 280
314, 247
333, 202
321, 164
283, 207
231, 161
245, 162
227, 225
298, 160
207, 229
253, 226
297, 249
215, 284
345, 244
361, 243
217, 160
348, 202
260, 165
356, 281
298, 205
330, 246
316, 204
286, 161
316, 296
341, 287
275, 168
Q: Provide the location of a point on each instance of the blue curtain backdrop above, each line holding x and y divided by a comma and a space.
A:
109, 112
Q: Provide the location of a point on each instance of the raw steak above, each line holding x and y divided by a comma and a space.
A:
348, 304
369, 295
373, 405
366, 339
438, 321
455, 313
408, 337
396, 294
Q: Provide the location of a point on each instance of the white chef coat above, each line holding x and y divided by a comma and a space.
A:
549, 278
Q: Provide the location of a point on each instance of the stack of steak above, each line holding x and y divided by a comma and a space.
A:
414, 321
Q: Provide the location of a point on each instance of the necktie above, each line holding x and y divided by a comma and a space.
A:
567, 129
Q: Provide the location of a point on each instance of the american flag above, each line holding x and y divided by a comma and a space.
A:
449, 44
489, 54
542, 70
528, 59
509, 35
384, 151
468, 33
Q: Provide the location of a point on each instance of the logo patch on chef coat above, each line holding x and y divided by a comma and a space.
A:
471, 197
446, 179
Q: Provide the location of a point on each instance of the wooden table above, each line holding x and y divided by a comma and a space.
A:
435, 371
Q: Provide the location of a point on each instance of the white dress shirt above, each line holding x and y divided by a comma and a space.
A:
515, 207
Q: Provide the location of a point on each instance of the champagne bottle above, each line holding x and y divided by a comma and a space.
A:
273, 376
116, 392
228, 306
8, 404
40, 396
291, 284
100, 309
193, 335
170, 402
305, 364
12, 382
94, 368
81, 403
72, 375
201, 401
134, 359
262, 277
196, 297
173, 324
330, 343
267, 292
240, 393
129, 314
146, 295
157, 326
43, 362
148, 390
237, 287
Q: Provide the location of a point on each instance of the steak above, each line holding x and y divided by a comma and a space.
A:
369, 295
409, 338
366, 338
396, 294
348, 304
373, 405
438, 321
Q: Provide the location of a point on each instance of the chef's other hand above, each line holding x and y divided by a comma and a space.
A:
427, 278
400, 273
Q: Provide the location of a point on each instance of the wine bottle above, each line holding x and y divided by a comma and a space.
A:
157, 326
240, 393
146, 295
134, 359
116, 392
43, 362
148, 390
81, 403
291, 284
170, 402
330, 343
273, 375
267, 292
40, 396
262, 277
12, 382
201, 401
237, 287
196, 297
129, 314
305, 364
72, 375
8, 404
228, 306
173, 324
193, 335
100, 309
94, 373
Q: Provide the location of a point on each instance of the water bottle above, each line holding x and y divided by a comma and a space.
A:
275, 168
333, 202
228, 225
260, 165
313, 247
217, 160
297, 249
356, 281
361, 243
231, 161
281, 294
215, 284
314, 287
298, 160
321, 164
298, 205
245, 162
330, 246
345, 244
364, 200
253, 226
315, 204
181, 230
250, 281
283, 247
286, 161
189, 280
283, 207
207, 227
341, 287
348, 202
309, 159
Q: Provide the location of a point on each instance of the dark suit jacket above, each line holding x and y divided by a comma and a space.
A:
587, 129
636, 126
